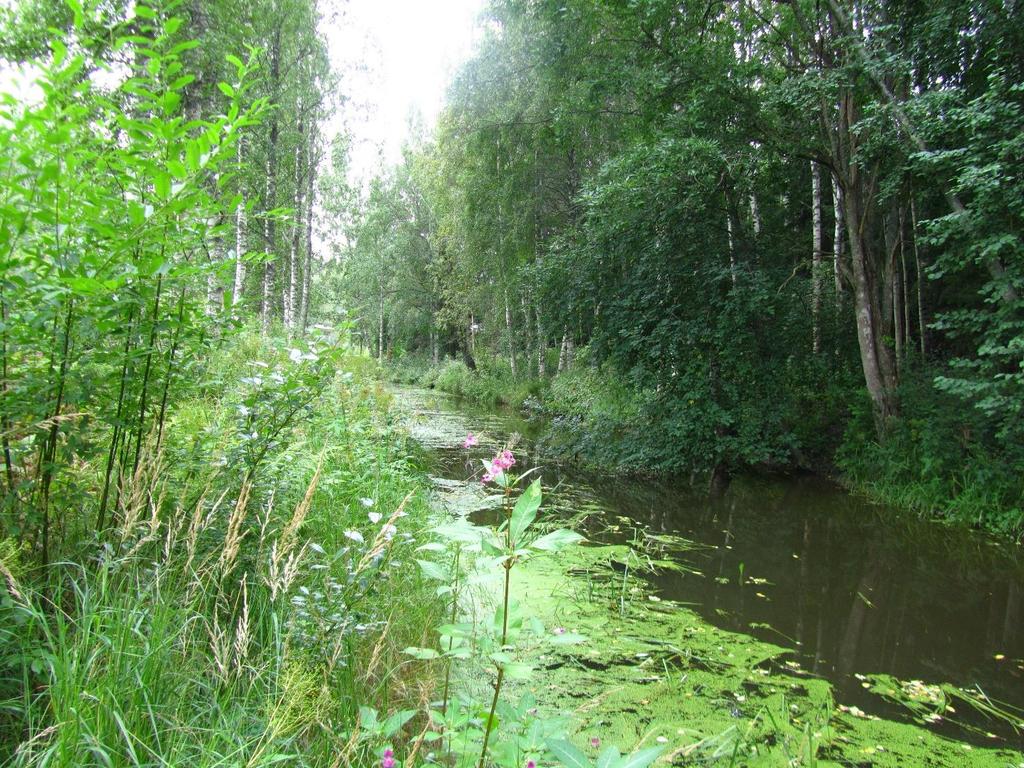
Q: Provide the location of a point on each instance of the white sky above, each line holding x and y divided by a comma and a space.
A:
396, 58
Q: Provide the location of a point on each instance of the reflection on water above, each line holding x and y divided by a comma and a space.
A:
842, 583
848, 586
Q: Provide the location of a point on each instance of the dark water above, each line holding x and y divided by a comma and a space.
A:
850, 587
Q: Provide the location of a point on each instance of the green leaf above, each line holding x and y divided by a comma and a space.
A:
368, 718
392, 725
609, 757
640, 759
517, 670
177, 169
237, 62
556, 540
226, 89
568, 638
162, 184
525, 511
432, 570
423, 654
567, 754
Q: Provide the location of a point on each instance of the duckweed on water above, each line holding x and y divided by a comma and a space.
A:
661, 674
652, 672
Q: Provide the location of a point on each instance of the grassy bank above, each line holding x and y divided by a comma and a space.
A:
939, 459
242, 604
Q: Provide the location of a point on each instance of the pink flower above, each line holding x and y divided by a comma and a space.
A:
488, 477
503, 460
531, 764
595, 742
389, 759
470, 441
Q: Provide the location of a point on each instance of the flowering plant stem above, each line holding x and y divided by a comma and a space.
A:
507, 504
451, 641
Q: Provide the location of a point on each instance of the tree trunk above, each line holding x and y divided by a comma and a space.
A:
816, 256
293, 250
732, 245
542, 347
307, 270
876, 358
755, 214
238, 285
838, 246
904, 280
566, 353
269, 225
891, 308
269, 236
511, 339
920, 281
380, 328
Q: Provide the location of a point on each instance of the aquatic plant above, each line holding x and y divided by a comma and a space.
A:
483, 729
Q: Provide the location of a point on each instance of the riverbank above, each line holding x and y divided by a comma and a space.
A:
253, 592
930, 465
660, 665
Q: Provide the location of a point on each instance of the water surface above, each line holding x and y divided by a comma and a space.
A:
852, 588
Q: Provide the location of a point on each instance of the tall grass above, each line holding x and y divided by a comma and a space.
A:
226, 619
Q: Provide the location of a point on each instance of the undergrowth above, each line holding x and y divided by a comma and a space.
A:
939, 459
241, 606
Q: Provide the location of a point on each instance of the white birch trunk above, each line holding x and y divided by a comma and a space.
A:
920, 284
508, 331
238, 285
816, 256
307, 271
542, 347
732, 247
268, 266
838, 244
293, 250
755, 214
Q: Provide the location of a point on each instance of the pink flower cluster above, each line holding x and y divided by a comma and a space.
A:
470, 441
499, 464
389, 759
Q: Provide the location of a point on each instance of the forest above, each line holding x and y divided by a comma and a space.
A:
726, 237
662, 405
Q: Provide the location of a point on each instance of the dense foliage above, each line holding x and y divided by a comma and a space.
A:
198, 521
767, 220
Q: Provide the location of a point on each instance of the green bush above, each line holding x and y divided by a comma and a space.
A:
491, 383
939, 458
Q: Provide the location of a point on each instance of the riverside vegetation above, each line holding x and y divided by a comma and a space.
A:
744, 235
219, 545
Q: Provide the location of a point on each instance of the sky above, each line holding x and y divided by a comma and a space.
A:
396, 58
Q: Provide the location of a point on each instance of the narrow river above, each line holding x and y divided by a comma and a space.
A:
851, 589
